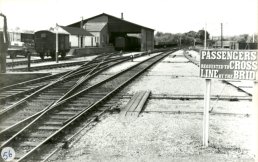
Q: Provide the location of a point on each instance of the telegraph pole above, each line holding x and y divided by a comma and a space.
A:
82, 22
205, 36
81, 37
4, 43
56, 43
221, 37
180, 41
205, 136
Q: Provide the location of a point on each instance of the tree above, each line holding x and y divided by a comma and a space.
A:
245, 37
165, 37
201, 33
158, 34
192, 34
187, 38
240, 38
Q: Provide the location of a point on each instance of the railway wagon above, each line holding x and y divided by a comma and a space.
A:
27, 37
252, 46
45, 43
127, 43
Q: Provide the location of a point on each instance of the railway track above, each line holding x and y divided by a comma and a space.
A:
24, 88
25, 61
31, 106
61, 117
15, 92
51, 66
22, 65
17, 114
12, 66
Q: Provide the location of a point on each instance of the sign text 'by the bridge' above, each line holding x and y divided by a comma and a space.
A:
228, 64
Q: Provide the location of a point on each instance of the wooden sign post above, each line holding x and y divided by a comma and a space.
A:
206, 113
207, 97
226, 65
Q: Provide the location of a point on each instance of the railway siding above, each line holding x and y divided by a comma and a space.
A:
27, 112
68, 117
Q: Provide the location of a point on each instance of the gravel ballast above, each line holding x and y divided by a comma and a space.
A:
171, 129
162, 136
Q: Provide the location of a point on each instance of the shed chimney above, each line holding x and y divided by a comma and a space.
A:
122, 16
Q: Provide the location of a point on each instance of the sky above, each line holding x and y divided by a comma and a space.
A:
173, 16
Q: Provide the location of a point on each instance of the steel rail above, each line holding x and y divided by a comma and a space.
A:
81, 80
50, 66
74, 73
77, 70
89, 108
32, 81
97, 104
30, 118
64, 64
60, 75
12, 127
25, 62
68, 141
43, 79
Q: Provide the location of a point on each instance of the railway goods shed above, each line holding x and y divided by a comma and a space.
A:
107, 29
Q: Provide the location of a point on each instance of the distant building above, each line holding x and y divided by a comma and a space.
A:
107, 29
18, 35
218, 38
226, 44
78, 36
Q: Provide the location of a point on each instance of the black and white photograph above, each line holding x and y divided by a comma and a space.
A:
129, 80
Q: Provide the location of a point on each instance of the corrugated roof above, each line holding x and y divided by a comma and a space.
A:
95, 26
126, 21
76, 31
